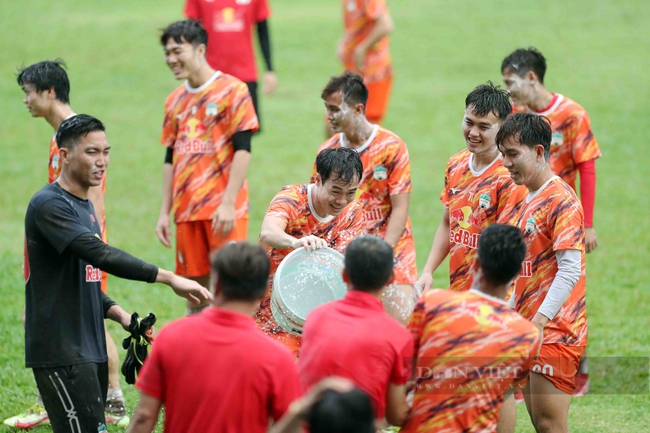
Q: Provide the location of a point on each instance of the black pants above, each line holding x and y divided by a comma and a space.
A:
74, 396
252, 89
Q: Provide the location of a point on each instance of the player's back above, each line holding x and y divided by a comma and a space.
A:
470, 349
355, 338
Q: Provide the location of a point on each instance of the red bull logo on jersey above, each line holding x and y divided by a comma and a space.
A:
193, 138
484, 315
526, 269
465, 219
93, 275
229, 20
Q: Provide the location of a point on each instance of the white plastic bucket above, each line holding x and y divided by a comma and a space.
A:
303, 281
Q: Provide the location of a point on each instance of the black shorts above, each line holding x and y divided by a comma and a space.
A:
74, 396
252, 89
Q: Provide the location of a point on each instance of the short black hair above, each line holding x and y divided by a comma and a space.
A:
523, 60
351, 85
369, 263
529, 129
489, 98
185, 31
340, 163
242, 271
75, 127
501, 251
46, 75
335, 412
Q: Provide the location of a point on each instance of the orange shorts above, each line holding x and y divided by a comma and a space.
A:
559, 364
195, 240
378, 96
406, 271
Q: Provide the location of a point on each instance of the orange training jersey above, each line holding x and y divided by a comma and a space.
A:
199, 125
552, 220
293, 204
474, 200
573, 142
470, 349
360, 17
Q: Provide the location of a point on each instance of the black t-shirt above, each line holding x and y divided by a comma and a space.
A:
64, 302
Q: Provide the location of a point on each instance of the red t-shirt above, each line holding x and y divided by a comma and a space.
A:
207, 371
356, 339
229, 25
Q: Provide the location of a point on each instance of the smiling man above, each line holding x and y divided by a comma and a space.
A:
209, 121
317, 215
385, 187
551, 289
65, 341
478, 190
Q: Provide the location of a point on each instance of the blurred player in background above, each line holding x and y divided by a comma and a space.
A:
47, 94
209, 121
459, 334
354, 338
573, 147
321, 214
385, 187
239, 390
478, 190
363, 49
551, 290
230, 48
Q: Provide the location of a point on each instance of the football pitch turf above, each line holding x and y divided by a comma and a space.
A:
597, 54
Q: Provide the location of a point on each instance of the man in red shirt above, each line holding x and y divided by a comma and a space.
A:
573, 145
356, 339
207, 369
230, 48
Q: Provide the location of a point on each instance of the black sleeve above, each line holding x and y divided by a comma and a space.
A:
242, 140
112, 260
169, 155
59, 223
265, 42
107, 303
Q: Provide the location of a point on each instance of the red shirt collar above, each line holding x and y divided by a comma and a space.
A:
555, 96
363, 300
229, 318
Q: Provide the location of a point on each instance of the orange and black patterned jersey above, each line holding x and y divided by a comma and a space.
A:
360, 17
293, 204
474, 200
552, 220
199, 125
470, 349
573, 141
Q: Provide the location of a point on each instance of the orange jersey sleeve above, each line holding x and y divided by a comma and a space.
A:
359, 18
469, 350
54, 166
474, 200
199, 125
552, 221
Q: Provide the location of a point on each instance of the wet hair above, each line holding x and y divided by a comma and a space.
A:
501, 251
189, 31
527, 128
75, 127
523, 60
339, 164
352, 87
335, 412
46, 75
242, 271
488, 98
369, 263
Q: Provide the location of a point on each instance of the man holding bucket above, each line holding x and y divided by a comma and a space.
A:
313, 216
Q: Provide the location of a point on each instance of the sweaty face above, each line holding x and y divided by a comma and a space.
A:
523, 163
37, 103
182, 58
520, 88
86, 162
339, 114
479, 131
335, 195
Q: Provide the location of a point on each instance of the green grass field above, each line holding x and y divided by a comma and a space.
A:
597, 52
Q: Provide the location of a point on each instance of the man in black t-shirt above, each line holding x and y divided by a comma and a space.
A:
65, 307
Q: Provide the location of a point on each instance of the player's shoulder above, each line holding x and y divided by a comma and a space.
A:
292, 193
51, 194
224, 80
331, 143
434, 297
176, 93
388, 137
562, 190
459, 159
